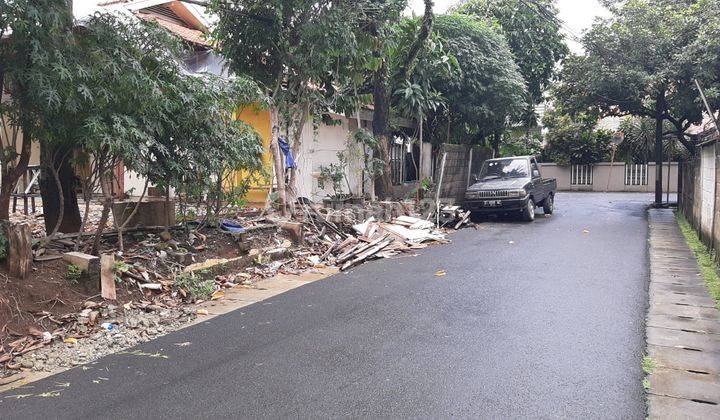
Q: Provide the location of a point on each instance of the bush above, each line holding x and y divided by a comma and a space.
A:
575, 141
524, 145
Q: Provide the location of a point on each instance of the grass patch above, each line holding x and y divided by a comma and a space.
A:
648, 365
195, 285
705, 258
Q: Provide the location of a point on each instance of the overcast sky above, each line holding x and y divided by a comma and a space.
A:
578, 15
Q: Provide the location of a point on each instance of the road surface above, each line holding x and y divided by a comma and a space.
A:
541, 320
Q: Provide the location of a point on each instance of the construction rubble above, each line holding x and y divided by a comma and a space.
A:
152, 286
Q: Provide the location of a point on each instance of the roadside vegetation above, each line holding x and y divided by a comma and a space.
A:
705, 257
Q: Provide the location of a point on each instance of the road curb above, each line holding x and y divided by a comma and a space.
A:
682, 329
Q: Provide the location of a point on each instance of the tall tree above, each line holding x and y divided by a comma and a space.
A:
295, 50
392, 68
486, 92
533, 31
634, 65
33, 36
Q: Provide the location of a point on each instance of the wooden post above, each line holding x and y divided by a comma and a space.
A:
19, 249
107, 277
439, 186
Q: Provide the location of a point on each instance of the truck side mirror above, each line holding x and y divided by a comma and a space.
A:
536, 173
474, 178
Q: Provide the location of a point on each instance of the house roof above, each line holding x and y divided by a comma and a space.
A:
191, 35
180, 19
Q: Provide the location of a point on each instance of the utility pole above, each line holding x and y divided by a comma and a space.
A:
707, 106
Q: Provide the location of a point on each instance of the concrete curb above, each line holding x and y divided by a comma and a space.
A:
682, 328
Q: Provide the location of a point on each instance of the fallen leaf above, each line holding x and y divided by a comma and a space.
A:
440, 273
585, 231
202, 312
34, 331
70, 340
511, 242
217, 295
183, 344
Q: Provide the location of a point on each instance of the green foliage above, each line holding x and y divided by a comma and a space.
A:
639, 141
534, 35
74, 273
335, 174
416, 97
116, 89
572, 141
488, 90
642, 62
195, 285
120, 267
295, 50
521, 145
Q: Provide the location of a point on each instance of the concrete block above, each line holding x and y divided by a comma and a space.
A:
87, 263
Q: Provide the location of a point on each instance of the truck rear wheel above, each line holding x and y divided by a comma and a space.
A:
549, 205
528, 213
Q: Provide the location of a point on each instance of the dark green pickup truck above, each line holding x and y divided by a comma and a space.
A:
511, 185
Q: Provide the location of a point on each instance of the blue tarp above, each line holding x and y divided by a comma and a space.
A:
285, 147
231, 226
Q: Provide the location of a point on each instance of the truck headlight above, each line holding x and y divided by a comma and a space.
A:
517, 193
471, 195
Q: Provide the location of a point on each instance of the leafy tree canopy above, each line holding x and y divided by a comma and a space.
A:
533, 32
488, 89
638, 63
574, 140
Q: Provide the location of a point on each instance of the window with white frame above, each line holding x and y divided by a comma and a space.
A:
581, 175
636, 174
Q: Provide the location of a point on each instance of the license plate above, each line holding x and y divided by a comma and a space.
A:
491, 203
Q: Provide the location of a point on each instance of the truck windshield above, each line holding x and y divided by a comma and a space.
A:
504, 168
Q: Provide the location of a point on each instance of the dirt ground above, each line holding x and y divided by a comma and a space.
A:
25, 304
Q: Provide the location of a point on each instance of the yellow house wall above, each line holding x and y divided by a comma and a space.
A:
259, 119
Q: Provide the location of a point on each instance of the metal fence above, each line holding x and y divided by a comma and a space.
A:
636, 174
581, 175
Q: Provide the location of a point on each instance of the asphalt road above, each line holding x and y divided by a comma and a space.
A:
541, 320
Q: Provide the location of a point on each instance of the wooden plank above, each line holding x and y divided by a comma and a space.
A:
19, 250
366, 254
107, 277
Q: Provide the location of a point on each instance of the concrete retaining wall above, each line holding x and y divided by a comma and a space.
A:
611, 178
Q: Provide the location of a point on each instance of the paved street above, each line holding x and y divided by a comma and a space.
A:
540, 320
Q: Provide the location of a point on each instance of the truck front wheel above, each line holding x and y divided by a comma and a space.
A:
549, 204
528, 213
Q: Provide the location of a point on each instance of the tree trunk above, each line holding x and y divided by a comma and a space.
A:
497, 138
5, 193
297, 143
382, 96
71, 219
104, 217
278, 160
11, 176
659, 111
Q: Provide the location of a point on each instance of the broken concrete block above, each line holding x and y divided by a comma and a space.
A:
296, 231
150, 212
87, 263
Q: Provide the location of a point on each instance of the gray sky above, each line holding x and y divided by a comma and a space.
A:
578, 15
